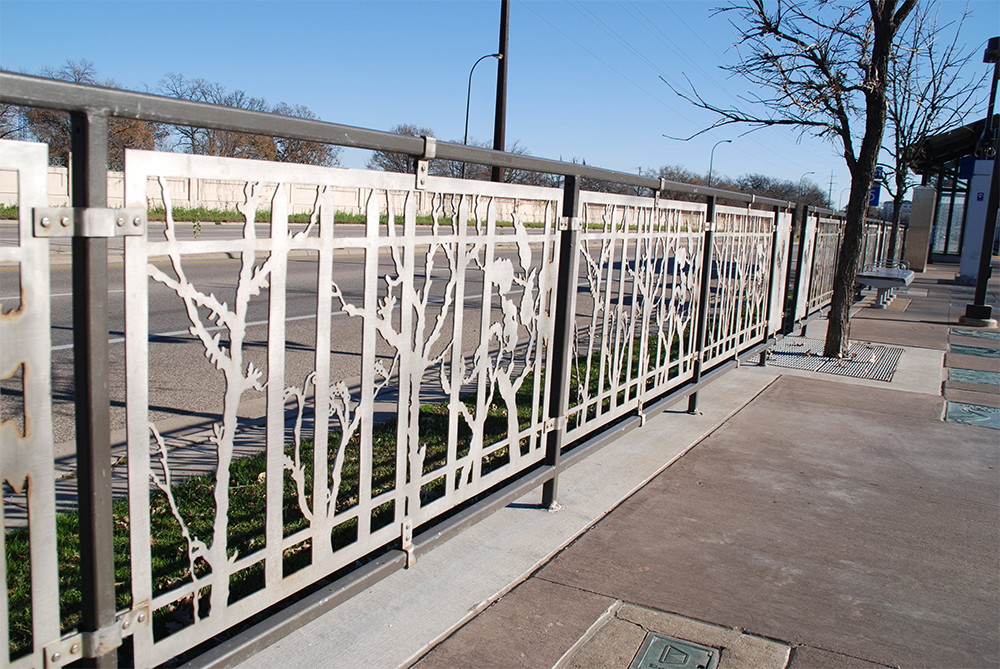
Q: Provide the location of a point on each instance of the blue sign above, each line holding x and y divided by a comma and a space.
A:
876, 189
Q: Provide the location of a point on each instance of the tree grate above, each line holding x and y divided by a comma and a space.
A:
864, 360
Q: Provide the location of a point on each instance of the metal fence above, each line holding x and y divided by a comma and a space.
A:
446, 362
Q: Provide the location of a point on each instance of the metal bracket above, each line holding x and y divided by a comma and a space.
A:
570, 223
557, 424
422, 171
95, 644
88, 222
423, 165
407, 540
134, 620
659, 192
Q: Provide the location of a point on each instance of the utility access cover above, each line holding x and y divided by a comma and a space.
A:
663, 652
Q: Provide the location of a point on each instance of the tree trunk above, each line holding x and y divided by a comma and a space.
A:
848, 263
885, 22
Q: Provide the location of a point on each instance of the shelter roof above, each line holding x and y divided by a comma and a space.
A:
946, 147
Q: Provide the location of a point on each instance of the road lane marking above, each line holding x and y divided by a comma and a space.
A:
17, 297
177, 333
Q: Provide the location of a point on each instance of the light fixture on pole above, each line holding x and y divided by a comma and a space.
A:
800, 182
468, 100
711, 159
840, 198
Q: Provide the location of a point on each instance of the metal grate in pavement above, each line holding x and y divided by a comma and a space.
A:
797, 353
864, 360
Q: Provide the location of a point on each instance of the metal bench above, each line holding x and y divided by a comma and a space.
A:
886, 278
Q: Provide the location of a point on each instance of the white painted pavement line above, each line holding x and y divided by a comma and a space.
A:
18, 297
177, 333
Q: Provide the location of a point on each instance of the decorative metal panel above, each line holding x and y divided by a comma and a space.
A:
872, 253
637, 304
413, 382
805, 268
300, 393
778, 295
828, 238
29, 618
741, 267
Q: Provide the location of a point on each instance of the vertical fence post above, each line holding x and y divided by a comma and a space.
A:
89, 144
788, 299
562, 348
706, 284
769, 300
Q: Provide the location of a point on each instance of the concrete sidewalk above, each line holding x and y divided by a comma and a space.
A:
814, 520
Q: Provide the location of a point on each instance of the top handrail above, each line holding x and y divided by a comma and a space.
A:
31, 91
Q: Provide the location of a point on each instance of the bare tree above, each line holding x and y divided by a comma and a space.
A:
821, 66
388, 161
12, 122
676, 173
805, 193
229, 144
212, 142
511, 175
53, 127
300, 151
927, 94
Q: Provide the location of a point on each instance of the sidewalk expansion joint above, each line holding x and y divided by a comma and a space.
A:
846, 656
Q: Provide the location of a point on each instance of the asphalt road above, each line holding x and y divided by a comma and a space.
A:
185, 389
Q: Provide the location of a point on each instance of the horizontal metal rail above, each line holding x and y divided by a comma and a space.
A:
25, 90
649, 269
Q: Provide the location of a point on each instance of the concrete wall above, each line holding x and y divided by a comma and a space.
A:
215, 194
211, 194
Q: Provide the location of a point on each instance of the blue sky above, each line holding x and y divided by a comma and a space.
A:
583, 77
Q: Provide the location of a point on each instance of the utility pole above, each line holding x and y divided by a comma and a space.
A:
500, 125
830, 198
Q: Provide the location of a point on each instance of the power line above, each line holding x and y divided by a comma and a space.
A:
708, 76
593, 18
665, 39
629, 47
605, 63
694, 32
604, 27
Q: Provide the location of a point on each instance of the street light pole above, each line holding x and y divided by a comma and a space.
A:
468, 99
800, 182
711, 159
500, 118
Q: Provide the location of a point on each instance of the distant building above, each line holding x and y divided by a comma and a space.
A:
904, 211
